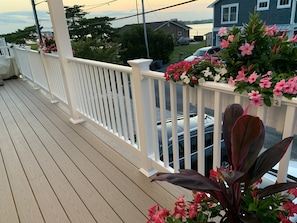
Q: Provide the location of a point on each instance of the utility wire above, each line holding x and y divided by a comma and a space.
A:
126, 17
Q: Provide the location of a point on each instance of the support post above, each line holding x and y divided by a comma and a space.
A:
143, 114
62, 38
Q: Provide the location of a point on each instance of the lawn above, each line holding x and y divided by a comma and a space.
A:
181, 52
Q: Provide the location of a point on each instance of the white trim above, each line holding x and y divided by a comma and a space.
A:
229, 6
262, 8
279, 6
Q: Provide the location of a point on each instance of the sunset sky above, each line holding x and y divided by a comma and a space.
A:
17, 14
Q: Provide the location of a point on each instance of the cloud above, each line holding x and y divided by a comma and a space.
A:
12, 21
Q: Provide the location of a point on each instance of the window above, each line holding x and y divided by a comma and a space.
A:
262, 5
283, 4
229, 13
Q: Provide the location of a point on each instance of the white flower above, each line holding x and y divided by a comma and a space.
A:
221, 71
201, 80
217, 78
206, 72
185, 78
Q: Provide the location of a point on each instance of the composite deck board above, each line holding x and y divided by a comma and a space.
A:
119, 171
25, 201
54, 171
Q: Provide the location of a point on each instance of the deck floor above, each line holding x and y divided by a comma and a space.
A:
54, 171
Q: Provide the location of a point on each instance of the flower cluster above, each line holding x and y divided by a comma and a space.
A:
260, 60
204, 207
256, 59
48, 44
199, 70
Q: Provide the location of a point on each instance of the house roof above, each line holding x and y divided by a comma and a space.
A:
212, 4
158, 25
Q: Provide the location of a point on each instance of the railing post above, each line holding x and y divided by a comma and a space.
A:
288, 131
143, 117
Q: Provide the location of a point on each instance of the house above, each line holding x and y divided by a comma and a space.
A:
176, 28
227, 13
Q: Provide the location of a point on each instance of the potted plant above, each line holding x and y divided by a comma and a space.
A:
233, 194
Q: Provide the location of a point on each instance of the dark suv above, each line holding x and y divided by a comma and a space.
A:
208, 141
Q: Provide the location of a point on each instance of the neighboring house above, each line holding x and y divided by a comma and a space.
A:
234, 12
176, 28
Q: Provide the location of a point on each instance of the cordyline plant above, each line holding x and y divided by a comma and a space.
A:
232, 193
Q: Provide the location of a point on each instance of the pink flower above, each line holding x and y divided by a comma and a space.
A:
293, 40
282, 36
283, 218
268, 73
241, 75
265, 82
231, 81
222, 31
256, 98
156, 215
224, 44
192, 210
270, 31
231, 38
277, 91
293, 191
253, 77
291, 207
278, 88
246, 49
199, 196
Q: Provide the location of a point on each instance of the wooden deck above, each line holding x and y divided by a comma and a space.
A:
54, 171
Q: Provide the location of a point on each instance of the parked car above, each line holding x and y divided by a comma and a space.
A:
208, 141
183, 41
212, 51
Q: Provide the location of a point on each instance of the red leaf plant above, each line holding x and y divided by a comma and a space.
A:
233, 194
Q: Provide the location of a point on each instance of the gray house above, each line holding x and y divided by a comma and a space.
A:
227, 13
176, 28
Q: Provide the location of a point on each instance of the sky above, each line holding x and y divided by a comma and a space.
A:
18, 14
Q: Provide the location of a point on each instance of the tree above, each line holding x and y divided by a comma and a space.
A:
161, 45
74, 14
82, 28
20, 36
95, 28
96, 50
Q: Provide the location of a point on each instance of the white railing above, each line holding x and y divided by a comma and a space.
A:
104, 96
127, 103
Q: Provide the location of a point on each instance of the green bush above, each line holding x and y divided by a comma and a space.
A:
133, 44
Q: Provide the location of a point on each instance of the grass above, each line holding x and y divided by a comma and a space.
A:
181, 52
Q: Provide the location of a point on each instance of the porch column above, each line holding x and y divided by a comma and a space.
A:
62, 38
